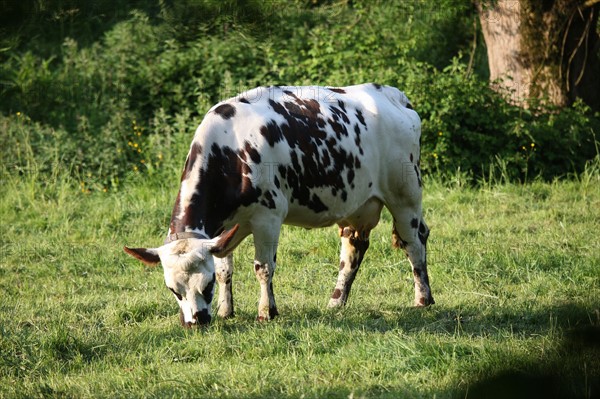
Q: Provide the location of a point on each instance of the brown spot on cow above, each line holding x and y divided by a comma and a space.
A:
336, 294
423, 233
208, 291
268, 201
251, 151
361, 244
224, 185
337, 90
360, 117
174, 214
309, 108
419, 181
194, 154
226, 110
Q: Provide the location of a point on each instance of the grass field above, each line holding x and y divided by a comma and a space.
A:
515, 271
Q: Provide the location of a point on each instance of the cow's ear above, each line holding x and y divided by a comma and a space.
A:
147, 255
221, 246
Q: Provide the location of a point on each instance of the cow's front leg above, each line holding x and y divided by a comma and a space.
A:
265, 245
354, 246
224, 271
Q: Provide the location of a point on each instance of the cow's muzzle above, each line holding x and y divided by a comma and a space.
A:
201, 318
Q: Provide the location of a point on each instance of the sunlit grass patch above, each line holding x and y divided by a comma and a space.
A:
515, 272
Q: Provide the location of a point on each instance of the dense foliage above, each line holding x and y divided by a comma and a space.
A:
110, 90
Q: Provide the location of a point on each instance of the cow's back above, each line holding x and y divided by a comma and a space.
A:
315, 154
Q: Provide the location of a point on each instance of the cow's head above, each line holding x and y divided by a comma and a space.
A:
189, 271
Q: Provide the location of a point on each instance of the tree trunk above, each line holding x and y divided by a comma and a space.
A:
547, 50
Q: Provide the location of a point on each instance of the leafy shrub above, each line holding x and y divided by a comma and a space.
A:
562, 140
464, 121
469, 127
128, 103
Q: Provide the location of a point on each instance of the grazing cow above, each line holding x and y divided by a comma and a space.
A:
304, 156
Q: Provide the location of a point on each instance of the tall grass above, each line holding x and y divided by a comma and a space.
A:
515, 271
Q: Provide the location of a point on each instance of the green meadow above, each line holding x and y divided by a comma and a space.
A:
515, 271
98, 104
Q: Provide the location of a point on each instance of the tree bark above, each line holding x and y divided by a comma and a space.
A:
547, 50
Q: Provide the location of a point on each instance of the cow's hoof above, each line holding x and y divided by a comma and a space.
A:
264, 318
337, 299
423, 302
228, 315
335, 303
272, 313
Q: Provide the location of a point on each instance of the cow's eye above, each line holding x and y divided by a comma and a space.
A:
178, 296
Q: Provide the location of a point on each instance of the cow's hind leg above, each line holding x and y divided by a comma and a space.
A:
354, 246
410, 233
224, 271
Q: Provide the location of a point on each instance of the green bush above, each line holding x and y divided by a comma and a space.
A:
561, 141
464, 121
469, 127
124, 98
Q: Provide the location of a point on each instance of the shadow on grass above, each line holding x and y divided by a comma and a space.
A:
572, 370
444, 320
437, 320
574, 373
